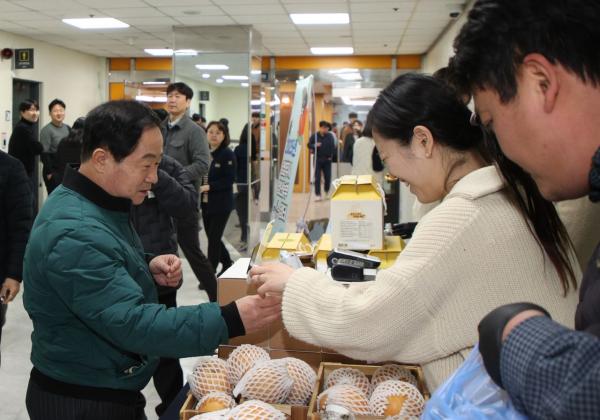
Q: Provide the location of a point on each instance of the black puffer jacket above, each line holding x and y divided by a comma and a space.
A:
24, 144
15, 216
173, 196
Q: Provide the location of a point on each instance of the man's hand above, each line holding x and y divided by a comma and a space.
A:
10, 289
166, 270
257, 312
204, 188
271, 277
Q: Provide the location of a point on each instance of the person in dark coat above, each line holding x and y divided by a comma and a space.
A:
350, 139
217, 193
24, 144
241, 178
171, 197
16, 215
68, 151
322, 144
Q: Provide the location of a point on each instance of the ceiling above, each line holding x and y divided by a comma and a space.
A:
376, 26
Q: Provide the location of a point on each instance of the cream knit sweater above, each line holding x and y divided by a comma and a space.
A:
467, 256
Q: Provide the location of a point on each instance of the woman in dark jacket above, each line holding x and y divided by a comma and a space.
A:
217, 193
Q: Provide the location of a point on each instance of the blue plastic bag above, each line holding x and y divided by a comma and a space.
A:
470, 394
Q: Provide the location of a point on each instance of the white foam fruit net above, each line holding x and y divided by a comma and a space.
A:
350, 376
213, 415
255, 410
397, 399
346, 396
242, 359
304, 378
268, 381
392, 372
209, 374
214, 401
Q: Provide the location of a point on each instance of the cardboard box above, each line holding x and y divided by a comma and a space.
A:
283, 241
356, 214
326, 368
392, 247
322, 249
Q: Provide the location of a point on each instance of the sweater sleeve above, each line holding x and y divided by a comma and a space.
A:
390, 318
112, 304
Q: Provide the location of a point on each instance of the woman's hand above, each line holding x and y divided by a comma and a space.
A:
271, 277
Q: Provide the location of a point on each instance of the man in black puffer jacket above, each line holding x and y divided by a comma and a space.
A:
15, 224
172, 197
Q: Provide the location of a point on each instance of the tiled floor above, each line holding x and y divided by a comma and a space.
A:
16, 342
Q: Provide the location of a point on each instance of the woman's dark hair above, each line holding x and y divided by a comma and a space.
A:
117, 126
414, 99
79, 123
27, 104
224, 130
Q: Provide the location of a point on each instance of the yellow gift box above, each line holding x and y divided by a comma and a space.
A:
392, 247
356, 213
291, 242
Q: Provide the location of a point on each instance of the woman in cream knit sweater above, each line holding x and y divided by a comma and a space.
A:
480, 248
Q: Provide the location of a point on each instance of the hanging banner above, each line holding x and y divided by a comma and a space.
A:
284, 185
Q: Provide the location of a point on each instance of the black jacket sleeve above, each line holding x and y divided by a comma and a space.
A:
226, 173
174, 190
18, 210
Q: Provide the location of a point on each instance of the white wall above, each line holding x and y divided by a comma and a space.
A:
79, 79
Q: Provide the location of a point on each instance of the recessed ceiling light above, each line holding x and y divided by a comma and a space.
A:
244, 84
332, 50
232, 77
161, 52
186, 52
205, 75
349, 76
212, 67
96, 23
320, 18
219, 80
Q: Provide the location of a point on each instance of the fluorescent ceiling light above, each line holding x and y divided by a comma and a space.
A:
346, 100
338, 71
332, 50
368, 102
212, 67
147, 98
244, 84
160, 52
205, 75
320, 18
186, 52
154, 83
219, 80
232, 77
349, 76
96, 23
255, 72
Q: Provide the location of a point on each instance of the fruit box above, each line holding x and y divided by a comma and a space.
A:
292, 412
326, 368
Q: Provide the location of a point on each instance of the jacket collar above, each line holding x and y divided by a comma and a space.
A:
477, 184
82, 185
595, 177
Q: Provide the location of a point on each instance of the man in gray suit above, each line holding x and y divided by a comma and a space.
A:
186, 142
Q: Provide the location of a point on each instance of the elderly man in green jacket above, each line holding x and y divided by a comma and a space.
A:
98, 331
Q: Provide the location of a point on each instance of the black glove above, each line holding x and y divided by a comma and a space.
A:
490, 334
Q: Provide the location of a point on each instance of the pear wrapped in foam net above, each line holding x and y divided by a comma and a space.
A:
214, 401
397, 399
350, 376
344, 396
242, 359
304, 378
213, 415
255, 410
392, 372
209, 374
268, 381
